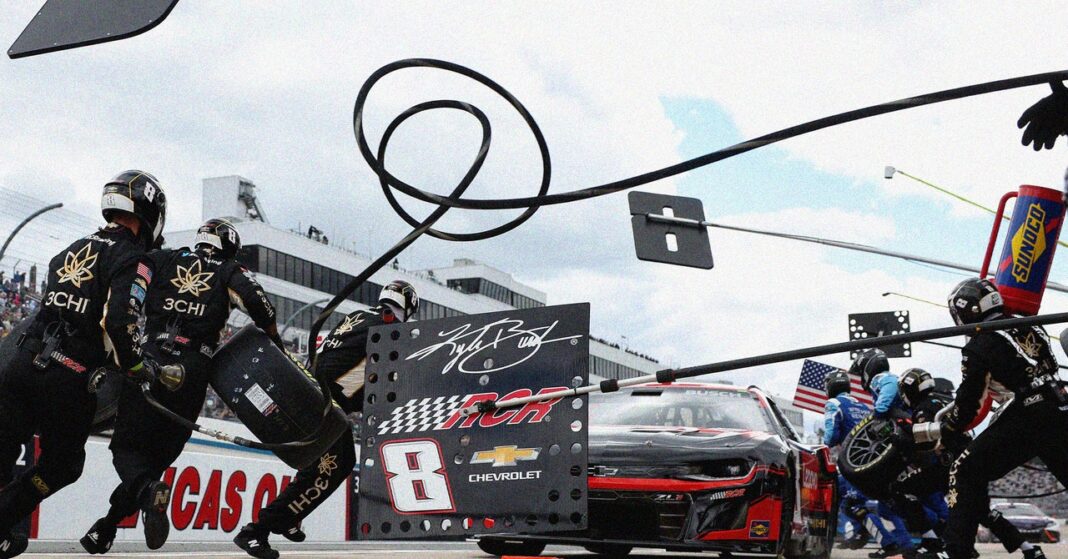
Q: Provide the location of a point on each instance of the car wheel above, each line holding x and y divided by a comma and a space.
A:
871, 457
609, 550
502, 547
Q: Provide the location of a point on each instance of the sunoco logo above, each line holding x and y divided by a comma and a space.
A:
1028, 243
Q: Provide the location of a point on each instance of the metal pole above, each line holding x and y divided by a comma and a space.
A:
289, 321
831, 242
23, 224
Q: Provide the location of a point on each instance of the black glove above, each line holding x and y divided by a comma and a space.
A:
903, 434
1046, 119
953, 440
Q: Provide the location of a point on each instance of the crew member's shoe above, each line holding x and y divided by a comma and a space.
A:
12, 545
253, 540
888, 551
295, 534
858, 541
99, 538
1034, 553
154, 503
929, 548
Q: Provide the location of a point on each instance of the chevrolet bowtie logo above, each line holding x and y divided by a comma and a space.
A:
505, 456
77, 267
192, 280
350, 322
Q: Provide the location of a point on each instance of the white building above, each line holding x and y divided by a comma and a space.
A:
301, 272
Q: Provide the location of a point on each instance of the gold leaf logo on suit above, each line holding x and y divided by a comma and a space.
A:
77, 266
192, 280
348, 324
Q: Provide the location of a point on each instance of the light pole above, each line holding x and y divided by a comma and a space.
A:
23, 224
889, 171
289, 321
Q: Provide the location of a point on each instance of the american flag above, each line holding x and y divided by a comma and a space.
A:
811, 390
144, 272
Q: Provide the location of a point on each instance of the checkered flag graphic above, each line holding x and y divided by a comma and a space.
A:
420, 414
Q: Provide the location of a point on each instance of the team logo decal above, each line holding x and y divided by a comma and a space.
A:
759, 528
348, 324
1028, 243
77, 267
502, 456
444, 412
192, 280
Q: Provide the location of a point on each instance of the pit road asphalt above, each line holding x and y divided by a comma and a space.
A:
395, 550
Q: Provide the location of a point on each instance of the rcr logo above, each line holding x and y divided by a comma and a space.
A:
182, 306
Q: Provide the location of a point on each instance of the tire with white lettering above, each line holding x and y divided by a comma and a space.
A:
504, 547
609, 550
871, 456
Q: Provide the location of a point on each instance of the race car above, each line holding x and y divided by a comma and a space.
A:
697, 467
1035, 525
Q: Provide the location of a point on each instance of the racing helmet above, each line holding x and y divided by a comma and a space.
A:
401, 296
221, 236
138, 193
974, 300
869, 363
914, 385
837, 382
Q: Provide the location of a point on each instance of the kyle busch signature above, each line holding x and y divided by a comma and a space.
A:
465, 342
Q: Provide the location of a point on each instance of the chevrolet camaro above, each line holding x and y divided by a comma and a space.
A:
695, 467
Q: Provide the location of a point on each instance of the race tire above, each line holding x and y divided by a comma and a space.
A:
501, 547
871, 456
609, 550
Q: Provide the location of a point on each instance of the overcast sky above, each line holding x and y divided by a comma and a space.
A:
266, 89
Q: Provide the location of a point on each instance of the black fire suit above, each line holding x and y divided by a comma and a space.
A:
185, 312
342, 358
1034, 424
88, 319
926, 479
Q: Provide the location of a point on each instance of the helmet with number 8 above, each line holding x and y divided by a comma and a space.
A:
975, 300
402, 299
914, 385
140, 194
869, 363
220, 237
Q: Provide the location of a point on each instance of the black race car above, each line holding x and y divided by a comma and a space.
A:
692, 467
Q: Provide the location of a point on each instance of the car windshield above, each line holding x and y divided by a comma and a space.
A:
680, 407
1019, 509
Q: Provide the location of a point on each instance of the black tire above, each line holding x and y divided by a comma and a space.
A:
609, 550
503, 547
871, 457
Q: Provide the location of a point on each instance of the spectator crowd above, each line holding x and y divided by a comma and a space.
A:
17, 301
1032, 479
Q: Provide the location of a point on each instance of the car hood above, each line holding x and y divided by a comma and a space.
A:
631, 444
1029, 522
